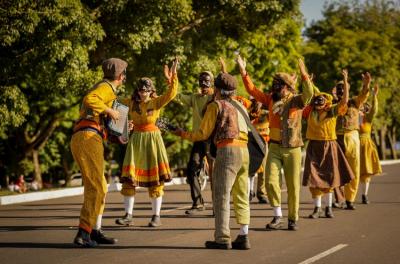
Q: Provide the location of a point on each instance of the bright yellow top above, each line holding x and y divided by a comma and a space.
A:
150, 110
321, 125
97, 100
208, 124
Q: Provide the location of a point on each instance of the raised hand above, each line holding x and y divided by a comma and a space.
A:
169, 73
223, 65
303, 70
376, 89
366, 78
345, 75
242, 65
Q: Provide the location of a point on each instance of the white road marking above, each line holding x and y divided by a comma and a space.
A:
324, 254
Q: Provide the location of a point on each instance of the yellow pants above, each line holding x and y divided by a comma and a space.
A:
352, 145
154, 191
315, 192
290, 160
87, 150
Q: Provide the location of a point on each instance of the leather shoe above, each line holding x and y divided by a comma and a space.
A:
125, 221
101, 238
275, 224
292, 225
350, 206
155, 221
216, 245
241, 242
316, 214
82, 239
365, 199
194, 209
262, 199
328, 212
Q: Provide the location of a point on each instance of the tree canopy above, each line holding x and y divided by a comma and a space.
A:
51, 51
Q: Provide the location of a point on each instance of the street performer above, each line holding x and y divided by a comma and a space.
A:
285, 112
87, 150
146, 161
223, 120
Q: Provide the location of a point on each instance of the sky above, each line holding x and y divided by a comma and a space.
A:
311, 9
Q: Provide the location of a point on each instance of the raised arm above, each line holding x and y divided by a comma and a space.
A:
363, 96
308, 90
342, 105
172, 79
374, 106
248, 84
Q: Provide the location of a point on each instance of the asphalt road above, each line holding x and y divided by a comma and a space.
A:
42, 232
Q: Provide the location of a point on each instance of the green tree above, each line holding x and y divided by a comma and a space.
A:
44, 48
360, 36
51, 51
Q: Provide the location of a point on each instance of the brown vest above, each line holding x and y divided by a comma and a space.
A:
226, 125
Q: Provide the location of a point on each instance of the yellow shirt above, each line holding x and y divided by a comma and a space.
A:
97, 100
150, 110
321, 125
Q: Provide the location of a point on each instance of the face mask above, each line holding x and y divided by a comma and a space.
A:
205, 81
319, 101
339, 90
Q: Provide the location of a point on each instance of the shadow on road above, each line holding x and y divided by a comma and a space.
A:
70, 245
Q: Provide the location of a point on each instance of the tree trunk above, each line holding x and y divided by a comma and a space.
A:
392, 141
37, 172
382, 144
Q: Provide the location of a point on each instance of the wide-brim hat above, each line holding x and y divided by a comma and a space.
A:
288, 79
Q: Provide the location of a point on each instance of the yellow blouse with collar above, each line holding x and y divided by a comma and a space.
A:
98, 99
150, 110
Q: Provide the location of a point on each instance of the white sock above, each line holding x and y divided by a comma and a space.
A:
366, 188
317, 201
330, 199
244, 230
129, 201
156, 205
98, 222
251, 184
278, 211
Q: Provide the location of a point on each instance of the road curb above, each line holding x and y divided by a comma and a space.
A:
45, 195
113, 187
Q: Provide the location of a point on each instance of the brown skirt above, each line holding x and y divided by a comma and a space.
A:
326, 165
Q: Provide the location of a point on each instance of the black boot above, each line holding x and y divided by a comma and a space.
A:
365, 199
292, 225
262, 199
241, 242
350, 206
216, 245
101, 238
83, 239
328, 212
251, 195
275, 224
316, 214
125, 221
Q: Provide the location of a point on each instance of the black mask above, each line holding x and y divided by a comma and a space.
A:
205, 81
277, 86
319, 100
145, 84
339, 90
